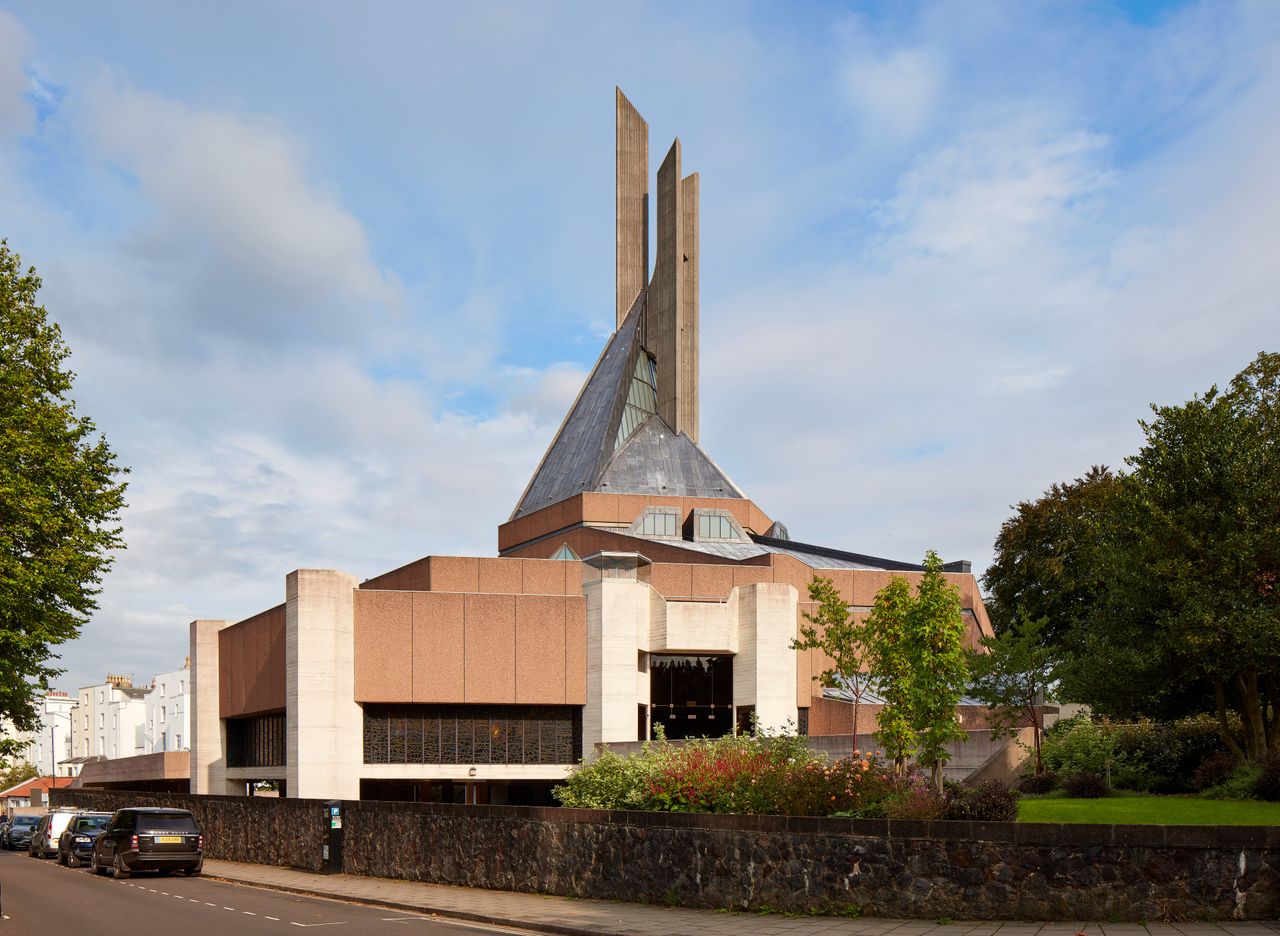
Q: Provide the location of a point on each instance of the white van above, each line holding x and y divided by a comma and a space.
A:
44, 840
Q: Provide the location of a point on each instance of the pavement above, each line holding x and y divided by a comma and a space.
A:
573, 917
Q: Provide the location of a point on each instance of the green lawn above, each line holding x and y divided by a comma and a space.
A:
1149, 810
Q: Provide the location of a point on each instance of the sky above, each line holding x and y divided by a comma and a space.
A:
331, 274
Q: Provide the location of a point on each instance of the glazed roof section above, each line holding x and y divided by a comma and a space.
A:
816, 557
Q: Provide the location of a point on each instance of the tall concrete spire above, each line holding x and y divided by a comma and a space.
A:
670, 326
632, 163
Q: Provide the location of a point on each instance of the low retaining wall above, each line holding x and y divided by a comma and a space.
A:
885, 867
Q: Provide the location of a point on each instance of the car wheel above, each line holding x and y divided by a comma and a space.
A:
118, 869
95, 866
62, 859
73, 861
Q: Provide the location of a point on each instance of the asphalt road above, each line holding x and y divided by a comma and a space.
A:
40, 897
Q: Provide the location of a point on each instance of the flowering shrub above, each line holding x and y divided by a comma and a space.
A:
757, 774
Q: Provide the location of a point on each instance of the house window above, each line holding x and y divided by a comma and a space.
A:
162, 690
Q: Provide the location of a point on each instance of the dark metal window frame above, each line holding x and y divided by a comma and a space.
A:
472, 734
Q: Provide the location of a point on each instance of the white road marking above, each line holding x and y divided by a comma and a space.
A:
232, 909
277, 919
166, 893
207, 904
336, 923
249, 912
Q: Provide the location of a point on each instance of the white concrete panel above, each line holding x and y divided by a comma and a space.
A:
208, 735
700, 626
320, 686
774, 609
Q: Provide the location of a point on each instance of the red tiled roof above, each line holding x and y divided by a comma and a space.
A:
38, 783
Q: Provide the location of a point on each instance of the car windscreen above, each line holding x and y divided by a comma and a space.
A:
166, 823
90, 823
28, 821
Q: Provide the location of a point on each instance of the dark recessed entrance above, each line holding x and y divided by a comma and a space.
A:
691, 696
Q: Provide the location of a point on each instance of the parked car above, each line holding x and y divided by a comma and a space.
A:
75, 845
44, 838
18, 835
149, 839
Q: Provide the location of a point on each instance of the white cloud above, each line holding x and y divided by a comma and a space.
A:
15, 112
990, 190
229, 209
896, 93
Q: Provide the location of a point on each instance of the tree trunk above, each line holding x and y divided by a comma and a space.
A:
1272, 699
937, 774
1037, 720
1255, 735
1224, 727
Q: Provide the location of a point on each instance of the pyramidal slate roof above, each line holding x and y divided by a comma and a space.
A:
588, 455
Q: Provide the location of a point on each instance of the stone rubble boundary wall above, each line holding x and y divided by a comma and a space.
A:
962, 870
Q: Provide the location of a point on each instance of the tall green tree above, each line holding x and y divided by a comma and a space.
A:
1013, 675
889, 661
939, 670
1203, 548
61, 493
832, 630
915, 648
1159, 586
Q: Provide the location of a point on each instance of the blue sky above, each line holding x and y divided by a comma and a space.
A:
331, 277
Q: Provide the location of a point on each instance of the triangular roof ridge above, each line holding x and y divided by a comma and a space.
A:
626, 332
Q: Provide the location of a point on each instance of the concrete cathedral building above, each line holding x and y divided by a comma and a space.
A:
635, 586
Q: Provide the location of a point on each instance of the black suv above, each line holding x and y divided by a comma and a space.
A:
149, 839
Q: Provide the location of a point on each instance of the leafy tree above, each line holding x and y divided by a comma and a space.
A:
1014, 677
916, 654
1203, 548
1159, 586
832, 630
939, 671
1049, 564
13, 774
60, 499
889, 662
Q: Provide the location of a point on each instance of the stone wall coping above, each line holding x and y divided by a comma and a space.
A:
1030, 833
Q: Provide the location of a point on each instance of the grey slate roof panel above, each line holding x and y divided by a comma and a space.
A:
575, 456
656, 461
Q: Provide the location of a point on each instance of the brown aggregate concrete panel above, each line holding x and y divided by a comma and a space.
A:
500, 576
540, 650
490, 646
712, 581
575, 657
251, 665
383, 646
672, 579
455, 573
602, 508
438, 643
543, 576
750, 575
416, 576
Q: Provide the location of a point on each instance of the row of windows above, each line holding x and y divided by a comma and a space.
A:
716, 526
659, 524
472, 734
